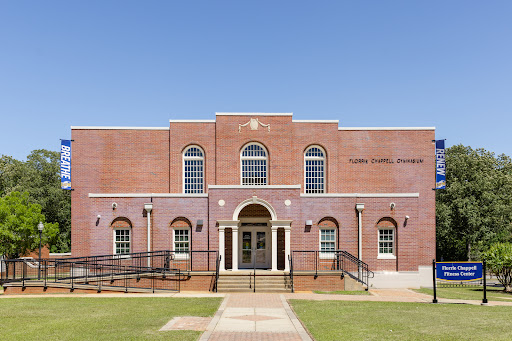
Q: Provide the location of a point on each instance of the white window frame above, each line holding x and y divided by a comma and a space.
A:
261, 158
322, 159
178, 254
193, 158
393, 241
326, 255
115, 242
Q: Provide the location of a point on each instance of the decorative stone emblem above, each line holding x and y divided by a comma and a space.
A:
253, 123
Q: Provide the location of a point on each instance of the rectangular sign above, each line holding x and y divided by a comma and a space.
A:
440, 165
65, 164
459, 271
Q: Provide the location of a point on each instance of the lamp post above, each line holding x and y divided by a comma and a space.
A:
40, 227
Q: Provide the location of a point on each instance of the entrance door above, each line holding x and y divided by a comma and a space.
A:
254, 248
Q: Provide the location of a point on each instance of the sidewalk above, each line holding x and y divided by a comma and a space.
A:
261, 317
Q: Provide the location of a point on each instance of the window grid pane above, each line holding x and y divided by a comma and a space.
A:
386, 241
327, 240
193, 176
314, 170
122, 241
181, 241
254, 165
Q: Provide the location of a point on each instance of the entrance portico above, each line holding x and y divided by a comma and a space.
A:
254, 237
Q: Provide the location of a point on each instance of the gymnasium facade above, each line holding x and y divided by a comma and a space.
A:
256, 187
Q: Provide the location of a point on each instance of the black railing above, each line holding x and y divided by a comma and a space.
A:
316, 262
290, 260
217, 265
124, 271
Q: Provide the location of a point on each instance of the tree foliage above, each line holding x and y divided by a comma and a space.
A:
499, 262
18, 225
39, 176
475, 209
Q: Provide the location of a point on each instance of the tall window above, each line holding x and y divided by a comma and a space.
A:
327, 242
181, 241
386, 243
254, 165
193, 170
121, 241
314, 170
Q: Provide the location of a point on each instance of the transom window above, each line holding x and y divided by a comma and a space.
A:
327, 243
314, 170
254, 165
121, 241
181, 241
193, 170
386, 242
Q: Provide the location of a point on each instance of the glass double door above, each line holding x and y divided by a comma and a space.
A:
254, 247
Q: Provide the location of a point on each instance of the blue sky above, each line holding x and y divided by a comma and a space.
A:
446, 64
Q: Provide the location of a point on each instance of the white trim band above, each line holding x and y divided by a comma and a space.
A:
148, 195
252, 114
361, 195
118, 128
386, 128
254, 186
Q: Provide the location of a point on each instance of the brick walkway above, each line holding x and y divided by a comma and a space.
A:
261, 317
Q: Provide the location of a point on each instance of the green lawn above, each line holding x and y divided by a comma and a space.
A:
345, 292
469, 293
101, 318
341, 320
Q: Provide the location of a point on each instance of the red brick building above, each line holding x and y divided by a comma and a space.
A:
256, 187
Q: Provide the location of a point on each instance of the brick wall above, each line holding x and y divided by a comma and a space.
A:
357, 161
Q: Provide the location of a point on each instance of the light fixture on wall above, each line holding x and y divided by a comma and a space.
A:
392, 205
199, 223
309, 223
98, 217
114, 205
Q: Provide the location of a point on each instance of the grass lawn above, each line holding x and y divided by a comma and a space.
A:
341, 320
83, 318
469, 293
342, 292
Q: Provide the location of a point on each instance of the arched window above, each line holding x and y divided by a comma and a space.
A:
181, 237
314, 170
122, 228
327, 228
386, 228
193, 170
254, 164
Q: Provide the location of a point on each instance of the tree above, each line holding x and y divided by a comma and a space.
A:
18, 225
39, 176
499, 262
475, 209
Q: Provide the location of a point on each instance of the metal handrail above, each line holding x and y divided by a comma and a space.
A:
217, 265
290, 259
337, 260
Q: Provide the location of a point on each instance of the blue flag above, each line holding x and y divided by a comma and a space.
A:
65, 164
440, 165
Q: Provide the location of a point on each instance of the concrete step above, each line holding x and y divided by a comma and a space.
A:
245, 283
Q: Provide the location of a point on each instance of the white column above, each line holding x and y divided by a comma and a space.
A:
233, 224
234, 253
149, 207
360, 208
287, 234
274, 248
222, 255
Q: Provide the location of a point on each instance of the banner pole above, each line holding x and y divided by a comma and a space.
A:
434, 280
484, 273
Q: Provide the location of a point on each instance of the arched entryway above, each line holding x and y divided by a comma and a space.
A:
254, 245
250, 239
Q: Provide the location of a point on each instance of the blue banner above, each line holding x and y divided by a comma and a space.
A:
65, 164
459, 271
440, 165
